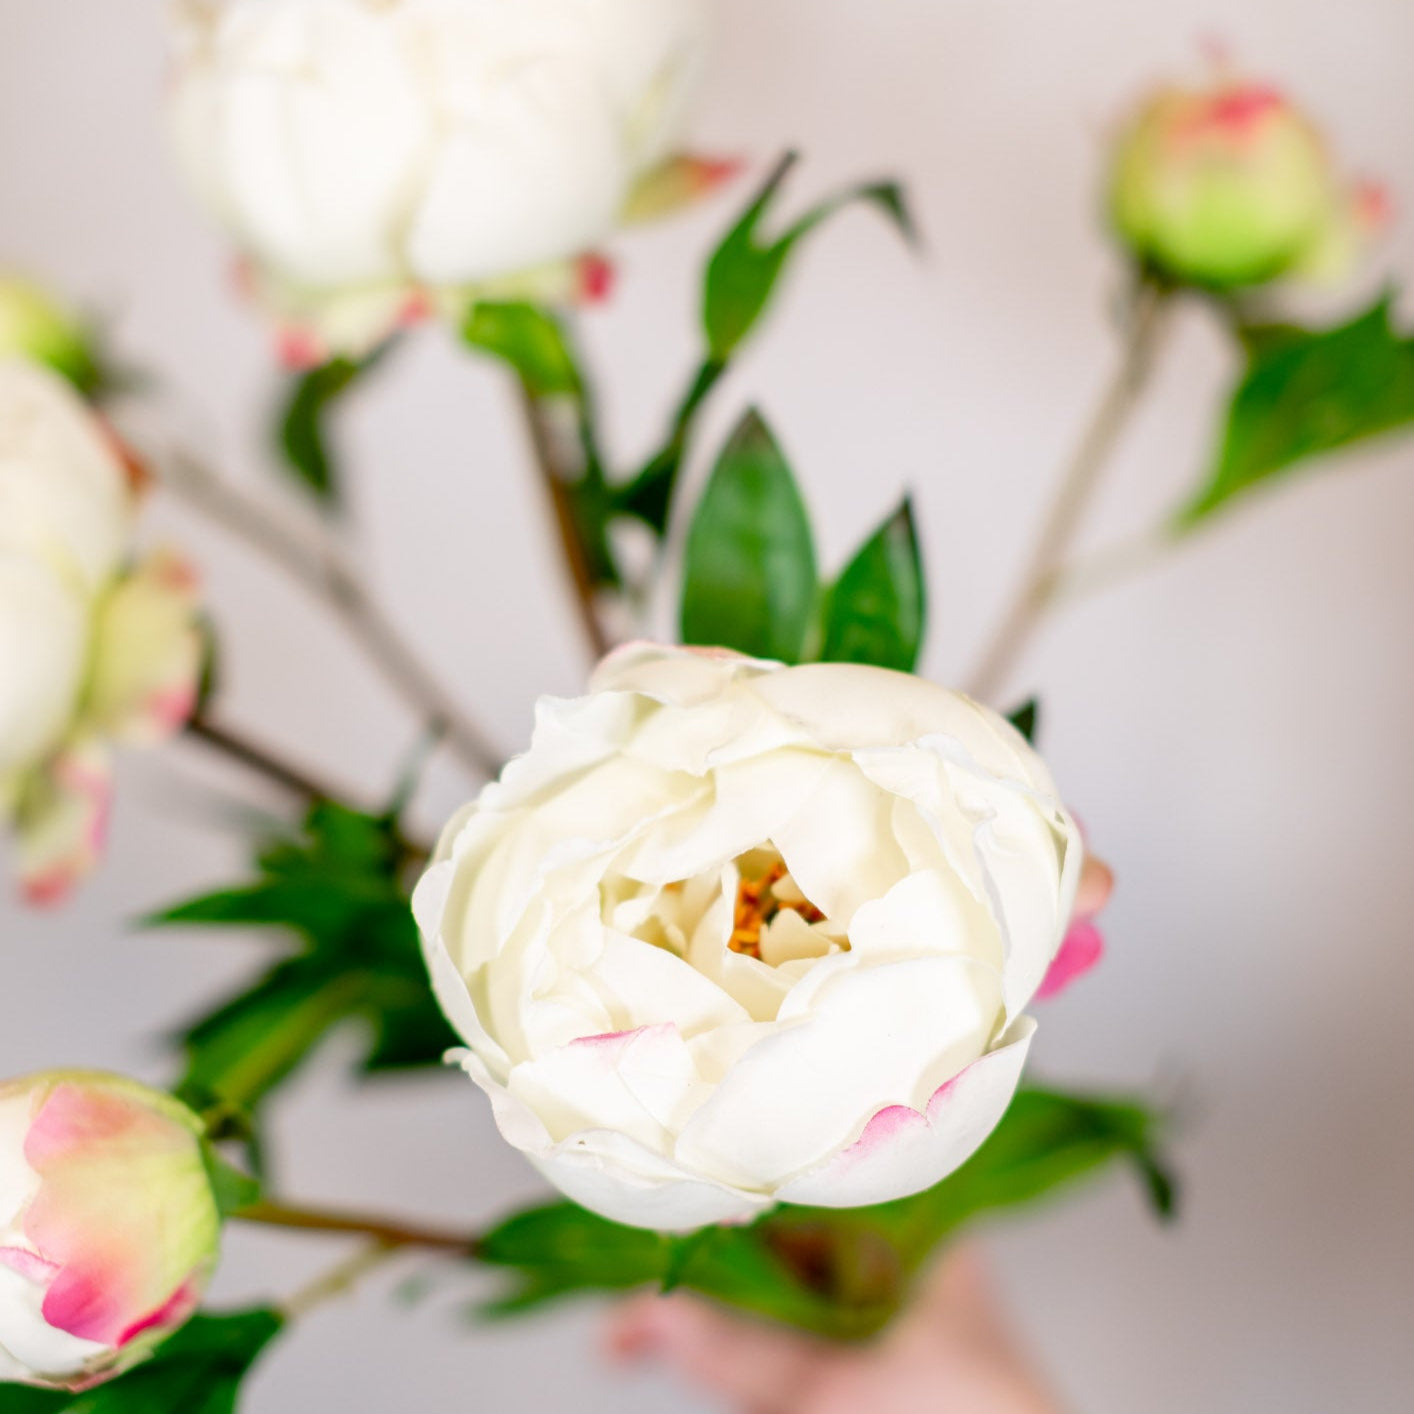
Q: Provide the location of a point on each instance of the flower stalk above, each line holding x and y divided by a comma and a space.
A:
386, 1232
323, 571
556, 480
1038, 590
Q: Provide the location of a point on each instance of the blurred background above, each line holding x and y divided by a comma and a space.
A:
1232, 725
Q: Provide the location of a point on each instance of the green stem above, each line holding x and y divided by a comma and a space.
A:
338, 1281
1078, 486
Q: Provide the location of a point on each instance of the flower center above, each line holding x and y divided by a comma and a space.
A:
760, 899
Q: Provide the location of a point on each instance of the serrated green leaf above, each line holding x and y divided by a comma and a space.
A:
876, 612
303, 424
249, 1046
198, 1371
744, 272
336, 895
749, 576
1027, 718
1306, 394
530, 340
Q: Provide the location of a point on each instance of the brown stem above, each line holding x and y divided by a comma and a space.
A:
1078, 486
386, 1232
321, 569
259, 759
556, 482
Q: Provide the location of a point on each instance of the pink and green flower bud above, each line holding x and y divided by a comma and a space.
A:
109, 1228
1230, 185
35, 326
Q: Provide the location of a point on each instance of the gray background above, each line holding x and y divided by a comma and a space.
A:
1234, 726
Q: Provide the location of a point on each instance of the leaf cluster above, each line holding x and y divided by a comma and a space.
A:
350, 950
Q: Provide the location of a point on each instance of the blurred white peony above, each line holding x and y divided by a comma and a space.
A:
367, 155
92, 649
733, 934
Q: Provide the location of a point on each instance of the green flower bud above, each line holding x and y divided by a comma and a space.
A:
1229, 186
35, 326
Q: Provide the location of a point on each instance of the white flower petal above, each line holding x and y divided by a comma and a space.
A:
903, 1150
874, 1037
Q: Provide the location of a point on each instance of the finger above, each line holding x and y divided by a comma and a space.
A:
756, 1367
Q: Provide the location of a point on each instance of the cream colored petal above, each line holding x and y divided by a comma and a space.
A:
43, 646
903, 1150
876, 1037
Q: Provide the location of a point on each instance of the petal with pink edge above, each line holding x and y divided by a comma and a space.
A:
903, 1151
148, 652
1081, 952
61, 823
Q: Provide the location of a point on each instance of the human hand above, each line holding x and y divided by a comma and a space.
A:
953, 1352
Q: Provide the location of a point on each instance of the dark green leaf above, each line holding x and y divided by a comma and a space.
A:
198, 1371
1026, 719
750, 563
530, 340
304, 433
649, 496
743, 273
336, 893
875, 614
249, 1046
1308, 395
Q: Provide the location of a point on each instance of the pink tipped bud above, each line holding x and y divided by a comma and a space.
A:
108, 1225
1226, 185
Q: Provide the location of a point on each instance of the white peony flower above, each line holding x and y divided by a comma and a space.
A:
732, 934
108, 1225
362, 151
93, 648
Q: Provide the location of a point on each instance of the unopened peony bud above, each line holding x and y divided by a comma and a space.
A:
108, 1225
94, 647
1231, 185
34, 325
370, 158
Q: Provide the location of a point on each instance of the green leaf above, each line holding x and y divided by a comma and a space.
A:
352, 953
198, 1371
1306, 394
530, 340
750, 562
841, 1273
1026, 719
649, 496
303, 427
743, 273
232, 1189
876, 612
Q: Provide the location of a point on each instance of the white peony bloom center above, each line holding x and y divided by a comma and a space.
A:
725, 918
